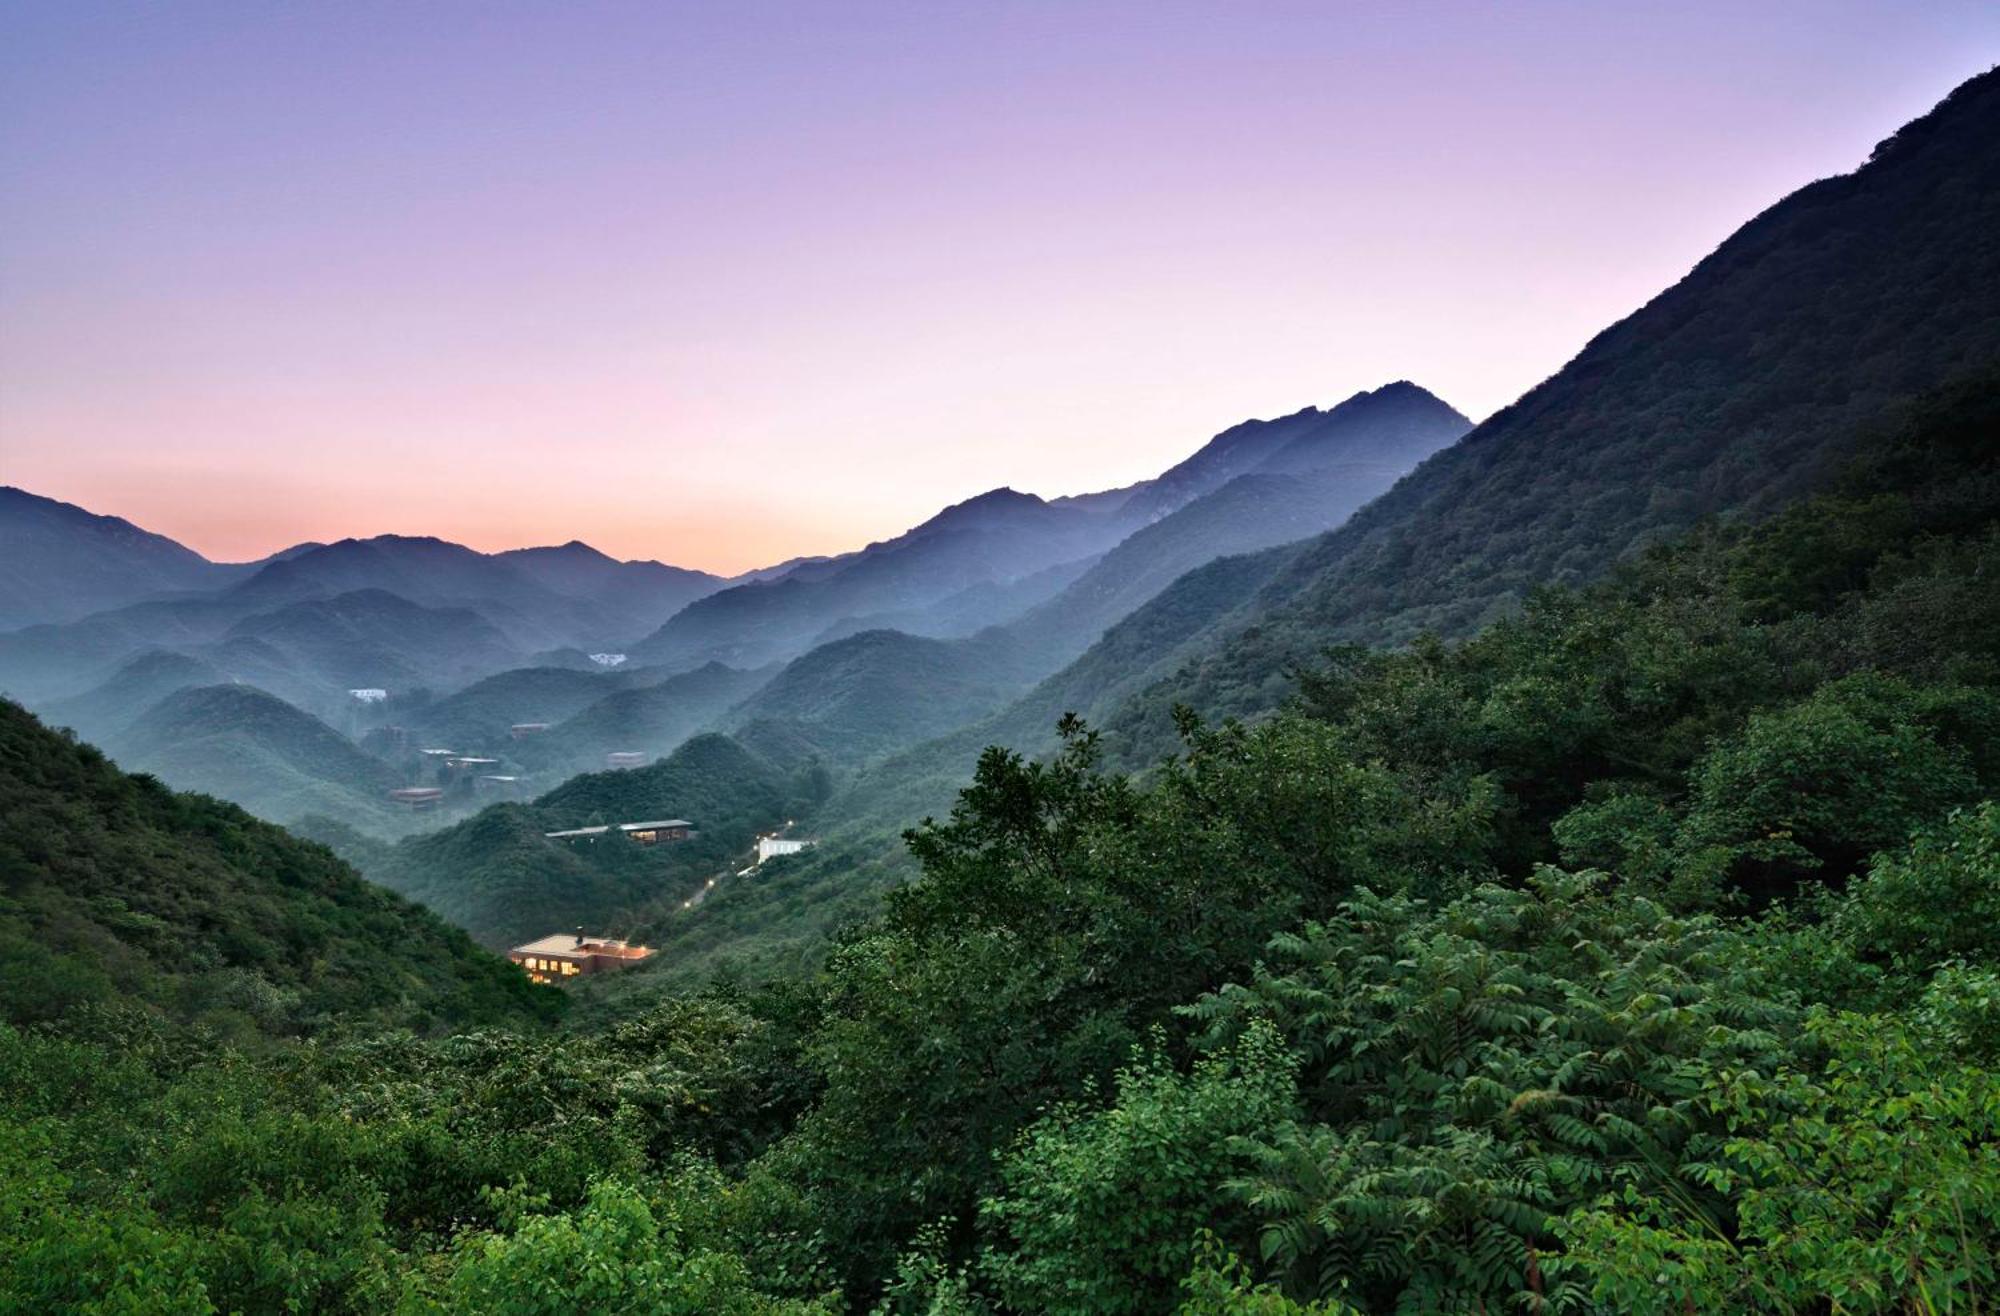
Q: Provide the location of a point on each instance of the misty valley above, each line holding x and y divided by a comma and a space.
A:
1381, 863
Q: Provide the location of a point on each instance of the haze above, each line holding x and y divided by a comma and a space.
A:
724, 284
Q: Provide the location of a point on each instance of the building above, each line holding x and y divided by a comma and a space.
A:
464, 761
572, 955
417, 797
624, 759
660, 829
578, 833
522, 730
495, 783
369, 696
608, 659
770, 847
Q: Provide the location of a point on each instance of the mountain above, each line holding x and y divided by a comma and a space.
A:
640, 589
996, 538
254, 749
651, 718
874, 692
479, 717
117, 889
1280, 481
374, 638
64, 562
1387, 430
1729, 394
1737, 391
107, 709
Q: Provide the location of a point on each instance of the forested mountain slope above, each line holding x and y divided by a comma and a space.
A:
1744, 384
647, 715
1730, 392
881, 690
64, 562
118, 890
241, 744
998, 537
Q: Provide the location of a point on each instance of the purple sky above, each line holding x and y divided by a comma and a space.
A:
723, 283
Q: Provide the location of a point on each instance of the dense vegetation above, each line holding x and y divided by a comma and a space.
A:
115, 890
1640, 954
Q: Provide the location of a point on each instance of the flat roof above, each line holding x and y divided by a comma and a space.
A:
564, 943
580, 831
655, 825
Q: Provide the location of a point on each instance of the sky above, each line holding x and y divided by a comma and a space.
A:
720, 284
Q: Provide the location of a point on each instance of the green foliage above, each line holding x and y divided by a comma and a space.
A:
619, 1251
1935, 902
1098, 1210
113, 888
1307, 1020
1870, 1184
1824, 782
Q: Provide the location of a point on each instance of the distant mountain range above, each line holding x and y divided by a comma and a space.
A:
857, 655
1731, 394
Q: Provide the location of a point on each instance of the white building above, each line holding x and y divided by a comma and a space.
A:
770, 847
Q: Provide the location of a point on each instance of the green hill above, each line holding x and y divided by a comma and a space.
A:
256, 750
653, 717
882, 690
116, 889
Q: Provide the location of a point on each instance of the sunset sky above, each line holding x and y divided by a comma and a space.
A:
724, 283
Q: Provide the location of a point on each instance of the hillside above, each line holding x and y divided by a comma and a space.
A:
645, 593
1730, 393
652, 718
64, 562
118, 890
249, 747
478, 718
1662, 420
1378, 433
105, 710
996, 538
881, 690
1451, 872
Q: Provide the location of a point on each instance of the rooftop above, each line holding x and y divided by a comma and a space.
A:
657, 824
578, 831
566, 943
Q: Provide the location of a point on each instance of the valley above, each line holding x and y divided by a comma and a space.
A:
1381, 863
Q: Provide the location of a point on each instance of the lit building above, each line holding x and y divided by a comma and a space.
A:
661, 829
573, 955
